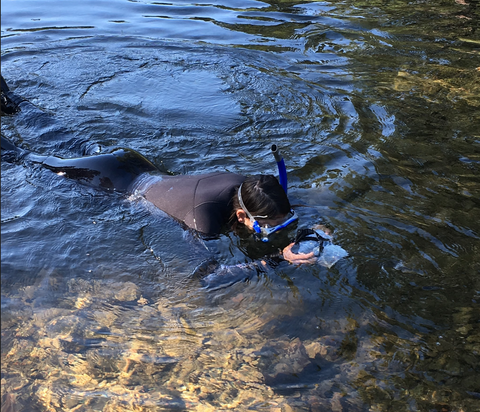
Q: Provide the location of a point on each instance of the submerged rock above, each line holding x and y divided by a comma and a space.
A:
283, 359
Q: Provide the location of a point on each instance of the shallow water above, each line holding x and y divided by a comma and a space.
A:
375, 106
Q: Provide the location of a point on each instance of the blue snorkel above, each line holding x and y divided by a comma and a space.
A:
282, 170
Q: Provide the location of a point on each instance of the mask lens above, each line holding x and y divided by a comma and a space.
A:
268, 230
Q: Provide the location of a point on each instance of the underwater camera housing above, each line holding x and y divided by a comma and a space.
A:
308, 240
320, 243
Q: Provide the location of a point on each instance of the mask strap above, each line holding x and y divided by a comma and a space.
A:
251, 217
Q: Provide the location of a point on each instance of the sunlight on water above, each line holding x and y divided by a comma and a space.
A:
375, 108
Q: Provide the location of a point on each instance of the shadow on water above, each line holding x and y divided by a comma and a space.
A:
375, 107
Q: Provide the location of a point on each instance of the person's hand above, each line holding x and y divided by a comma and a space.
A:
298, 259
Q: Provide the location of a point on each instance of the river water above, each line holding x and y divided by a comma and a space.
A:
376, 108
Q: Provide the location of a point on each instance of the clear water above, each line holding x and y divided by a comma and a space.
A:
375, 106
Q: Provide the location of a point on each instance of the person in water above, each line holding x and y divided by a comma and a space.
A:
206, 203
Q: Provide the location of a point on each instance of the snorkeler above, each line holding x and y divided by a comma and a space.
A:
206, 203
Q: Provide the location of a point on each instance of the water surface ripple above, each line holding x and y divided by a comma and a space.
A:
375, 106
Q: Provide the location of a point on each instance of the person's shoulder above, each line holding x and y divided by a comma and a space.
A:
227, 176
220, 173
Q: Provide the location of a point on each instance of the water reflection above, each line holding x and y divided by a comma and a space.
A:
375, 108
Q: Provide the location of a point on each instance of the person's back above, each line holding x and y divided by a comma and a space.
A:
201, 202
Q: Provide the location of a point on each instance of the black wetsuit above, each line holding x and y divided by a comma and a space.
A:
201, 202
116, 170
